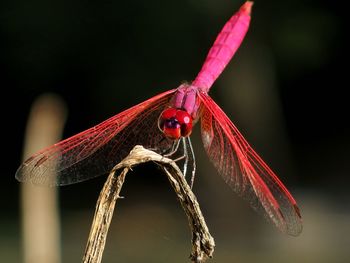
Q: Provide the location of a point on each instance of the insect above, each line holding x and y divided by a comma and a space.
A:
164, 124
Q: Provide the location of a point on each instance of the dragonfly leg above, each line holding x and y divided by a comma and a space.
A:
184, 171
191, 160
183, 152
177, 152
174, 149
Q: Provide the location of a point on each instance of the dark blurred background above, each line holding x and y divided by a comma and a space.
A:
284, 89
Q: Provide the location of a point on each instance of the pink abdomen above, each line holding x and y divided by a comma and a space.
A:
225, 46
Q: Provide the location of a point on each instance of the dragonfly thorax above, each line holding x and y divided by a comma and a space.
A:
175, 123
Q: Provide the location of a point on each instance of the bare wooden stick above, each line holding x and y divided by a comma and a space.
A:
103, 216
202, 242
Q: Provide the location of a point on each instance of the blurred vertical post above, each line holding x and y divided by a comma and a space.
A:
40, 216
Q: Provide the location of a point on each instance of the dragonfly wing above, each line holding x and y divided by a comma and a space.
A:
95, 151
245, 171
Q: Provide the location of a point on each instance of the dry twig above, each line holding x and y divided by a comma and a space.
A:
202, 242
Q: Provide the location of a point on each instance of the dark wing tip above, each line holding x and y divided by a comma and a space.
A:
297, 210
295, 227
32, 172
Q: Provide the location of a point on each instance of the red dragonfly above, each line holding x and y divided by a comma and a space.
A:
163, 123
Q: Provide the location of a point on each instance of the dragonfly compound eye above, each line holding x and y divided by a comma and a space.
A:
175, 123
185, 121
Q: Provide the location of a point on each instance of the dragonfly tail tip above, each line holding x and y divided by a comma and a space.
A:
247, 7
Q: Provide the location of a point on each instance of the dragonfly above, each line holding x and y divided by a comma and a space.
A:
164, 124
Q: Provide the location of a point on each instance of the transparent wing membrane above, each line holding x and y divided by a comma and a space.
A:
95, 151
245, 171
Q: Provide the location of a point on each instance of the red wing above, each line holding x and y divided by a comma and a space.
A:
245, 171
95, 151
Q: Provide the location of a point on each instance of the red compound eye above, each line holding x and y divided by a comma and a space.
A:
175, 123
185, 120
168, 113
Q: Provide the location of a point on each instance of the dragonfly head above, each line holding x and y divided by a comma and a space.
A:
175, 123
